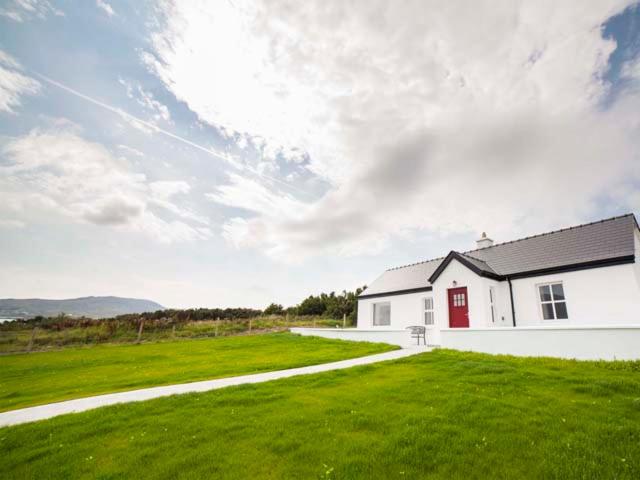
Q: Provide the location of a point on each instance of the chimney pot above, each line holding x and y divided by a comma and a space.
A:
484, 241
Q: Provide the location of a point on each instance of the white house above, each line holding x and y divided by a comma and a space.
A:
578, 276
573, 293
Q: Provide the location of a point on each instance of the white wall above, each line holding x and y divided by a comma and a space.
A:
597, 296
406, 310
637, 263
401, 338
478, 297
582, 343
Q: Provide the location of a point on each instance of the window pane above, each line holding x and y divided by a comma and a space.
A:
428, 303
547, 311
428, 318
561, 310
545, 293
381, 313
558, 291
462, 299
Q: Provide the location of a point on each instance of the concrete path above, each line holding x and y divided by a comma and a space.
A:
32, 414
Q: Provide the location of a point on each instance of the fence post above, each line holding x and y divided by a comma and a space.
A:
286, 321
33, 337
173, 331
140, 331
250, 324
344, 320
217, 322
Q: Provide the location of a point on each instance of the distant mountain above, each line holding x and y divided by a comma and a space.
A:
94, 307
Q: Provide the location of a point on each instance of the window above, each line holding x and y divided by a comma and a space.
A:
382, 314
492, 300
427, 303
459, 299
552, 301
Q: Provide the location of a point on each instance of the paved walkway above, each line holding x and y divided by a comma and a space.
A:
32, 414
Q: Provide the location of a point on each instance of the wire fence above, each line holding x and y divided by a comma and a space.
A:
29, 338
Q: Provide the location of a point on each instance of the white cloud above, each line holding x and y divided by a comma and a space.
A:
105, 7
631, 69
130, 150
147, 100
22, 10
452, 123
267, 206
57, 171
8, 223
13, 83
162, 193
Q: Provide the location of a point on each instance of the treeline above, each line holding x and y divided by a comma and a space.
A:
325, 304
328, 305
170, 315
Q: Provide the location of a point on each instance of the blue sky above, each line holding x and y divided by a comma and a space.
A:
237, 153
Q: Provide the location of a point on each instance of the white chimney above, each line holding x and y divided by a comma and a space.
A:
484, 241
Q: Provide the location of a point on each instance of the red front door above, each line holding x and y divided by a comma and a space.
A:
458, 308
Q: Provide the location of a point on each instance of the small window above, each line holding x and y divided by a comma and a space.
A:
492, 300
458, 299
382, 314
427, 303
553, 301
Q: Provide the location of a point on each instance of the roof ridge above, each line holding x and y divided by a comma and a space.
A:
518, 240
552, 232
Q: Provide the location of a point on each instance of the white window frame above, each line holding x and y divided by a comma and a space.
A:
553, 302
428, 312
373, 314
492, 304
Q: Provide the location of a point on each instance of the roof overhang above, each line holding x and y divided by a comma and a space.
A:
364, 295
606, 262
464, 261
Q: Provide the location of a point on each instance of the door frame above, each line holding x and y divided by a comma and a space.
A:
466, 305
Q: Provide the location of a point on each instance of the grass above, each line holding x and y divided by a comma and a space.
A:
18, 338
442, 414
38, 378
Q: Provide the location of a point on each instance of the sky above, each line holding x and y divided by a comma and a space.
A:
238, 153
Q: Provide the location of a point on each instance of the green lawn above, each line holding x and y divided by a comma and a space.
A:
437, 415
37, 378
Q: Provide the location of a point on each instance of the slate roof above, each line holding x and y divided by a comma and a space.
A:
591, 243
479, 264
404, 278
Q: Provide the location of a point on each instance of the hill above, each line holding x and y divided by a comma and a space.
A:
94, 307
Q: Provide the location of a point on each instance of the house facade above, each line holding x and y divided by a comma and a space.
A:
583, 276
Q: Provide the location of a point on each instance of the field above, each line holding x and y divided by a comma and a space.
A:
16, 337
37, 378
442, 414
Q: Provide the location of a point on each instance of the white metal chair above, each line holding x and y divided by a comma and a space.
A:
418, 331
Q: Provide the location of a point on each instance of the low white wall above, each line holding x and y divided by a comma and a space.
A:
401, 338
582, 343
